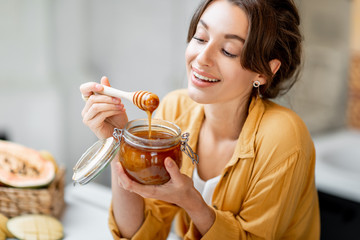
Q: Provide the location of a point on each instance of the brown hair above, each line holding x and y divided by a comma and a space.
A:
273, 34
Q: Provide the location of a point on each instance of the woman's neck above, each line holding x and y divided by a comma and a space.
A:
225, 120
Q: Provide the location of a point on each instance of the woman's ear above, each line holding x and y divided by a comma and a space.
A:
274, 65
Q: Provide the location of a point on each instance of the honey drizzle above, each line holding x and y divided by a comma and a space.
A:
149, 119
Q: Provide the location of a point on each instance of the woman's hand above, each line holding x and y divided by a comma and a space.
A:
102, 113
178, 190
175, 191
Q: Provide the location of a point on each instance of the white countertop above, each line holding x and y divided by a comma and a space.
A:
86, 212
338, 164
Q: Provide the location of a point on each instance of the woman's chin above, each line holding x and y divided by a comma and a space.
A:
198, 95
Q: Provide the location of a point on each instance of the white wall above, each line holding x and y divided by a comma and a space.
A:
48, 48
30, 104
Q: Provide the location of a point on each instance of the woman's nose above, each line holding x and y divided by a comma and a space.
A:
206, 55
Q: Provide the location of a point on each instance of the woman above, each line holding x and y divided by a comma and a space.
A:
255, 177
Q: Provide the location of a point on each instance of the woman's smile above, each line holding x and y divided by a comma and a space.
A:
202, 79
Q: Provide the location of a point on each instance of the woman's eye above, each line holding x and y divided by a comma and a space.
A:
199, 39
226, 53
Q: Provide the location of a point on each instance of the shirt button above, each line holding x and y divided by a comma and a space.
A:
225, 174
214, 206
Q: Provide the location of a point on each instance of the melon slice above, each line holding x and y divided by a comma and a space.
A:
36, 226
23, 167
48, 156
3, 227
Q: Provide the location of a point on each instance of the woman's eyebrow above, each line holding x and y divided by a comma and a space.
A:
227, 36
233, 36
204, 24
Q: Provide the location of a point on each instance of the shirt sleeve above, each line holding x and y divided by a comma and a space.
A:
157, 223
268, 210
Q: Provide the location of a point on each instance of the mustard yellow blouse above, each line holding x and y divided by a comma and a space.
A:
267, 189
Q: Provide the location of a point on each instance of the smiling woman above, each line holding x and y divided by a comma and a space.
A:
255, 176
270, 37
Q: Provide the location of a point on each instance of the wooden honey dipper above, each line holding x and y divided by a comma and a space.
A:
144, 100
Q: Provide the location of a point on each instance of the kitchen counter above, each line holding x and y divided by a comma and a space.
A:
85, 216
86, 212
338, 164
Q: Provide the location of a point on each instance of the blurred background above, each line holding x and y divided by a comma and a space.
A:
49, 48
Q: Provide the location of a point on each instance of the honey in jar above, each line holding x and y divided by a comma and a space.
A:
142, 155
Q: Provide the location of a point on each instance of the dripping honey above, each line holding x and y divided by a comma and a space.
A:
151, 103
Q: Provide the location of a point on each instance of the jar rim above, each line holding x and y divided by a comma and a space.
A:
156, 126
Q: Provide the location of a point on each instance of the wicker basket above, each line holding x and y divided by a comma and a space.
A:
50, 200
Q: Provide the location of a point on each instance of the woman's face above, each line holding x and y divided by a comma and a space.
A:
215, 74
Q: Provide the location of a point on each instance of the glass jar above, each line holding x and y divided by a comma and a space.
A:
142, 155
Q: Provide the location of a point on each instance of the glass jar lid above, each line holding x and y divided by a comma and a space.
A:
96, 158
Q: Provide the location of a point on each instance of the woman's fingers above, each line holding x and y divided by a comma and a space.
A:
123, 180
94, 109
172, 169
98, 108
101, 99
101, 113
98, 120
165, 192
88, 89
105, 81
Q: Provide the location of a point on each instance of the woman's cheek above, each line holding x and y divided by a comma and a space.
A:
188, 54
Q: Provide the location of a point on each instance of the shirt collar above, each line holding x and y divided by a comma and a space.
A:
245, 147
191, 122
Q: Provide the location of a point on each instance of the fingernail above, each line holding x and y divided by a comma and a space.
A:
115, 100
169, 163
119, 106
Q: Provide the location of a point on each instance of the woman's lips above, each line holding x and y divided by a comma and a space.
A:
203, 75
202, 79
200, 82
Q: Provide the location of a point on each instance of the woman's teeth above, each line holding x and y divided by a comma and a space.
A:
205, 78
